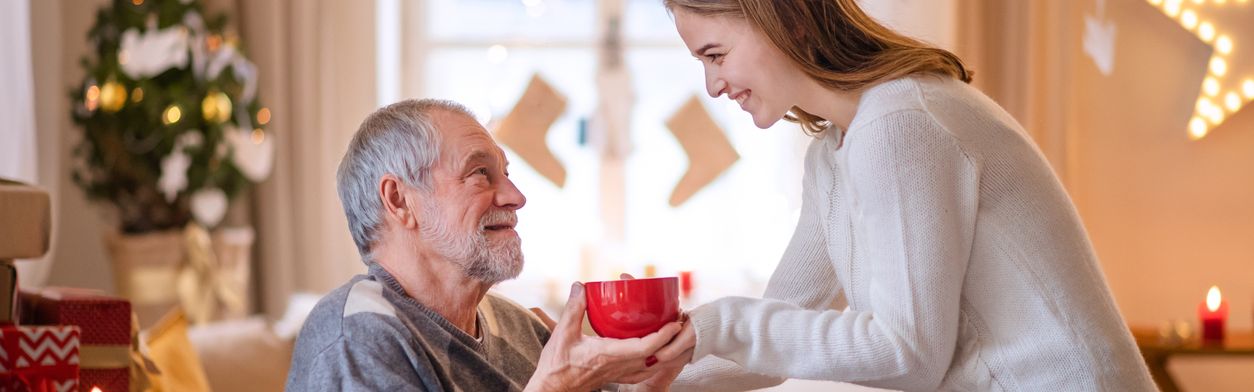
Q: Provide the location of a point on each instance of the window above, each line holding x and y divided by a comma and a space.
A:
482, 53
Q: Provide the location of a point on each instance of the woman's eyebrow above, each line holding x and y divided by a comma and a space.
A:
701, 52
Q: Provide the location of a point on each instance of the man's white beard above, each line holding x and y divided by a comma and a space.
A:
489, 263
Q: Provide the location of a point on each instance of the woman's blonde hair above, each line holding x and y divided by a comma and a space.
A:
834, 42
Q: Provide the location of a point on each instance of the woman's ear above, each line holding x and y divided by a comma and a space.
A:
395, 196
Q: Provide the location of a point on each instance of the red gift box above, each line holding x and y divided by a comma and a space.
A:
39, 358
106, 331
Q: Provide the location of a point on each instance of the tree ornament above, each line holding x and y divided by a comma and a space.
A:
216, 107
112, 96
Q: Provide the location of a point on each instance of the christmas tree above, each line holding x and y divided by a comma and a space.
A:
172, 126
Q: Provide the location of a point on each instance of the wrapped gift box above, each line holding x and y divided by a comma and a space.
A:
25, 220
106, 331
39, 358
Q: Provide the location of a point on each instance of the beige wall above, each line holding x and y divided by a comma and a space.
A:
58, 34
1168, 217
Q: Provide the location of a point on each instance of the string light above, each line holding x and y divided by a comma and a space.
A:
1206, 31
92, 98
1210, 86
172, 114
1221, 95
1218, 66
137, 95
263, 116
1203, 106
1197, 128
1172, 7
1224, 44
1232, 101
1189, 19
258, 136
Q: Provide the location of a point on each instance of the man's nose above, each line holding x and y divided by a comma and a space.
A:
509, 197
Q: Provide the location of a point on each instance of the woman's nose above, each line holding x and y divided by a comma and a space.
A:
714, 85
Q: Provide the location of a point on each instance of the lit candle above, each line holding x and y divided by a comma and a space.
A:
1213, 313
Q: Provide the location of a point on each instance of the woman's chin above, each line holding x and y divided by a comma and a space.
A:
764, 122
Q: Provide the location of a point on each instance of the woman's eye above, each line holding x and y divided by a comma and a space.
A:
715, 57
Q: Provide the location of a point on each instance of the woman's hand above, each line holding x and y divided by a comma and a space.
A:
572, 361
671, 358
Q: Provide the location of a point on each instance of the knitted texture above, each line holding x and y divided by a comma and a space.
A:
961, 259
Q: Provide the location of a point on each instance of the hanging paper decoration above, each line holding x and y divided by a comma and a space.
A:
709, 152
525, 128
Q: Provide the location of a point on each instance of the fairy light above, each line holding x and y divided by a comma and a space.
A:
91, 99
1172, 7
1210, 86
259, 136
1216, 116
1226, 88
1232, 101
1197, 128
263, 116
1218, 66
1189, 19
172, 114
1206, 31
1223, 44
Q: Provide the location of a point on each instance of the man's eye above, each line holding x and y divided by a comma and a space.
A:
482, 170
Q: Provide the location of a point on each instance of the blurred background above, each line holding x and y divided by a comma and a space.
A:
1137, 105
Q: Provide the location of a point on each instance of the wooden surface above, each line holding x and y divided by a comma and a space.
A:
1157, 352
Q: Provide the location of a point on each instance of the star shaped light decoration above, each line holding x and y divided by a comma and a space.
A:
1229, 82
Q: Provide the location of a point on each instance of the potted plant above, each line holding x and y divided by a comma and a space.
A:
172, 131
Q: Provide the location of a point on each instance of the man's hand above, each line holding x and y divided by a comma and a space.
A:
572, 361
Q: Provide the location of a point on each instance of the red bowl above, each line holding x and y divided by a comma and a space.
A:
632, 308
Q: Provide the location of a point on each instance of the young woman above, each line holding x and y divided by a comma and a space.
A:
927, 210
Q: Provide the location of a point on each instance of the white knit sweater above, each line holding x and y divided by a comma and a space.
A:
959, 254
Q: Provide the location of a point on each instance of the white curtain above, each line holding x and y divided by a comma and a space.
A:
316, 62
18, 155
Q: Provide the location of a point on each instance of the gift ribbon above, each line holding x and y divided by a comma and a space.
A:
201, 284
104, 356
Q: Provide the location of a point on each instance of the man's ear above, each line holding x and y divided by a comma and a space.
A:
396, 196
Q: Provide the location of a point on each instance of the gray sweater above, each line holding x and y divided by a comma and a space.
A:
369, 335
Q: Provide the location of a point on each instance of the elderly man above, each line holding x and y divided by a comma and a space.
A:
432, 210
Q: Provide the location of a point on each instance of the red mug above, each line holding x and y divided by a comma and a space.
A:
632, 308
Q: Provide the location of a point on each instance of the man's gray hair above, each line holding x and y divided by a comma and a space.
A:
400, 139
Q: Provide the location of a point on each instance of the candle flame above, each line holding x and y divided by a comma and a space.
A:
1213, 298
95, 389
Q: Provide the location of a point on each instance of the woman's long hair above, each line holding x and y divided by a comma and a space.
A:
834, 42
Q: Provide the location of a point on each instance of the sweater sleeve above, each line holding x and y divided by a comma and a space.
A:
805, 264
915, 199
